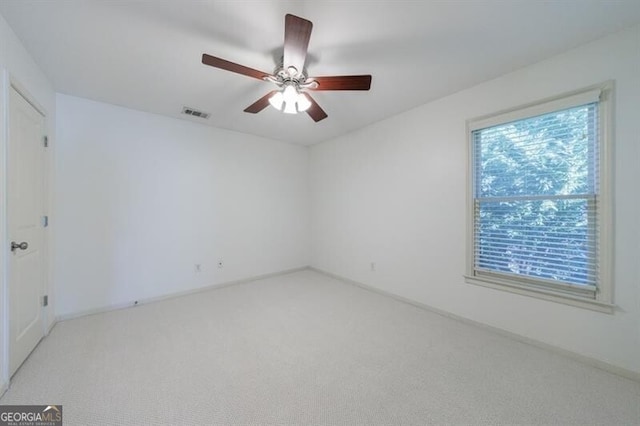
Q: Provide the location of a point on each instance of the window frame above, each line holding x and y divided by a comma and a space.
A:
603, 300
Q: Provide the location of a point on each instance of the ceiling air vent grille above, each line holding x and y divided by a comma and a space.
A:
195, 113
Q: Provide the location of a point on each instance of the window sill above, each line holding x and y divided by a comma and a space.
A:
594, 305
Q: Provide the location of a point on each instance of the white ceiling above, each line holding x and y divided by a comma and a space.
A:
146, 54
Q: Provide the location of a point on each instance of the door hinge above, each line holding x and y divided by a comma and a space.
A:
45, 141
45, 221
45, 300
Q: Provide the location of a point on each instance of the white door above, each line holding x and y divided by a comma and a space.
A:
25, 205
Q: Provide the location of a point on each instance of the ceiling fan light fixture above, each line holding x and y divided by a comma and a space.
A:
290, 108
277, 100
289, 100
290, 94
303, 102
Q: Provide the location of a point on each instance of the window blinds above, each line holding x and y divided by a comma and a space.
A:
535, 199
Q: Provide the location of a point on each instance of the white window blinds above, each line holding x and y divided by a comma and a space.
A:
535, 199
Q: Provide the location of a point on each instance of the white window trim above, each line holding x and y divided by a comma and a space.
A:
603, 301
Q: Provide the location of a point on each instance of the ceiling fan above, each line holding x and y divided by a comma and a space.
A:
291, 78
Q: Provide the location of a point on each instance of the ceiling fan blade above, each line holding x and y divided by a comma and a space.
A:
260, 104
343, 82
314, 110
232, 66
297, 32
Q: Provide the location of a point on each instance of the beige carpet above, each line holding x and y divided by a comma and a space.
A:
306, 349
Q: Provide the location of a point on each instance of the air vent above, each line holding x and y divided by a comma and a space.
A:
195, 113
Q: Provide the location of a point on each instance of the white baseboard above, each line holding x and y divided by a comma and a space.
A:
594, 362
132, 304
50, 327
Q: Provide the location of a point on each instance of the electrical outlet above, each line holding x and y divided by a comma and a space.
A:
220, 264
198, 267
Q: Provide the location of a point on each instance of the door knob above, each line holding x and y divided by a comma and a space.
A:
22, 246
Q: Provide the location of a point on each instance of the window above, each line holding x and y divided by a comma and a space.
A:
538, 214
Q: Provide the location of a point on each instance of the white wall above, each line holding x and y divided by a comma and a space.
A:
142, 198
394, 193
18, 66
